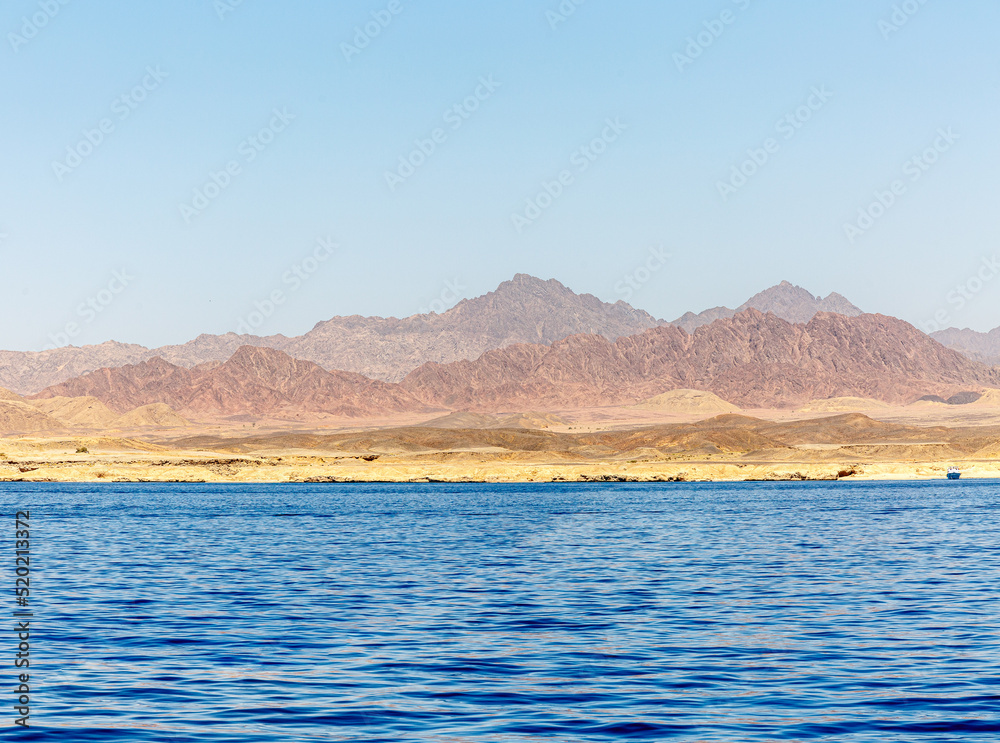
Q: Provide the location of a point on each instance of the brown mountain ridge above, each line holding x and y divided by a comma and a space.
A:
753, 360
261, 382
522, 310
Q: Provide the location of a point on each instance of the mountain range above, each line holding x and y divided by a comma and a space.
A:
753, 360
531, 344
522, 310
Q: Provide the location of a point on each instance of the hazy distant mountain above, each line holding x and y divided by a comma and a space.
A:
984, 347
522, 310
29, 371
691, 321
787, 301
751, 360
254, 381
207, 347
512, 343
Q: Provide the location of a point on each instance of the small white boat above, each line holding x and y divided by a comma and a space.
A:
954, 473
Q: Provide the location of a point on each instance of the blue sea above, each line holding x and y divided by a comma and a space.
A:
567, 612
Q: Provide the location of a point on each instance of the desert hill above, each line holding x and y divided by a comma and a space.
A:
64, 413
88, 412
534, 420
461, 420
254, 381
155, 414
483, 420
752, 360
687, 402
22, 417
988, 398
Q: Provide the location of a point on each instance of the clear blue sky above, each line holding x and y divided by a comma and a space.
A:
210, 77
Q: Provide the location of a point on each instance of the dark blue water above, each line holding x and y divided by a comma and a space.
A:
689, 612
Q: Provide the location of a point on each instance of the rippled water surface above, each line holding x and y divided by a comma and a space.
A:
690, 612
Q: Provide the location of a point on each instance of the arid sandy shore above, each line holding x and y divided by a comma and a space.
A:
103, 464
185, 468
603, 444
